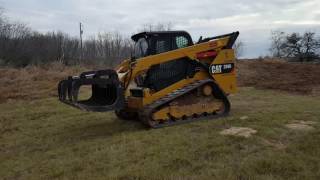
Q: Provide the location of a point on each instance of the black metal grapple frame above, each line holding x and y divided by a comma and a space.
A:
107, 91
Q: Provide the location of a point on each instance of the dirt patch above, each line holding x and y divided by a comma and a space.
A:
305, 122
275, 144
239, 131
274, 74
301, 125
244, 117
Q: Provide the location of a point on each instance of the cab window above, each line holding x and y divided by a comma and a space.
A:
181, 42
140, 48
163, 44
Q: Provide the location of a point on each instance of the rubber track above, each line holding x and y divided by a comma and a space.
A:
145, 115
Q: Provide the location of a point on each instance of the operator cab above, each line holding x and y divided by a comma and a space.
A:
152, 43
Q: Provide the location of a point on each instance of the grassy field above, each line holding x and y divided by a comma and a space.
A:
44, 139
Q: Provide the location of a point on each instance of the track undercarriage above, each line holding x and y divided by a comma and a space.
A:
197, 101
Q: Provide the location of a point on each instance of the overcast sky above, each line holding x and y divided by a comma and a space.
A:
254, 19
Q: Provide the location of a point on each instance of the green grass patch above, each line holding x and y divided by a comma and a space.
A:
44, 139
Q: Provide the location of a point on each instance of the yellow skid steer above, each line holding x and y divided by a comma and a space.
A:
168, 80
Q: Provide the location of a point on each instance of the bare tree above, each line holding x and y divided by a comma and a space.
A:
277, 41
310, 46
1, 16
167, 26
238, 48
301, 47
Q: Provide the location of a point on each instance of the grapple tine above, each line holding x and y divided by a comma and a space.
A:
69, 88
63, 90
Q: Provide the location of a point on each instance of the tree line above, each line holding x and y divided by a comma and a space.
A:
21, 46
295, 46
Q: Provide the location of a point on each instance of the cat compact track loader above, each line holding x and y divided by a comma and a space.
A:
168, 80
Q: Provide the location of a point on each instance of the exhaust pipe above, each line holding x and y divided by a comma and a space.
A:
106, 91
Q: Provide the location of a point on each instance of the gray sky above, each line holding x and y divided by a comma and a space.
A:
254, 19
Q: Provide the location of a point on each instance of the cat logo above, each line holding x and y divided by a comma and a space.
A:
221, 68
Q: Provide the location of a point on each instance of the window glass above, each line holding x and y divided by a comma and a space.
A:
140, 48
181, 41
162, 46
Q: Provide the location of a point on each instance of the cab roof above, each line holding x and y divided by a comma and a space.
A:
158, 33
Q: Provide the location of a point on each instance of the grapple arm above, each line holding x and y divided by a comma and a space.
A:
106, 91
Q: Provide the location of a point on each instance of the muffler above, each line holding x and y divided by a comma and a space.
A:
106, 91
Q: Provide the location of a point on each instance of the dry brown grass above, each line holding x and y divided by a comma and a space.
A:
278, 75
40, 82
33, 82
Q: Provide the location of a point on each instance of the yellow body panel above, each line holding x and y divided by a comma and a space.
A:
149, 98
191, 52
226, 81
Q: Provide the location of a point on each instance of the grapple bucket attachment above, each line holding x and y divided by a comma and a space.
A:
106, 91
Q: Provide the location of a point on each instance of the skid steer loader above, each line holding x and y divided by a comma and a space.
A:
168, 80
